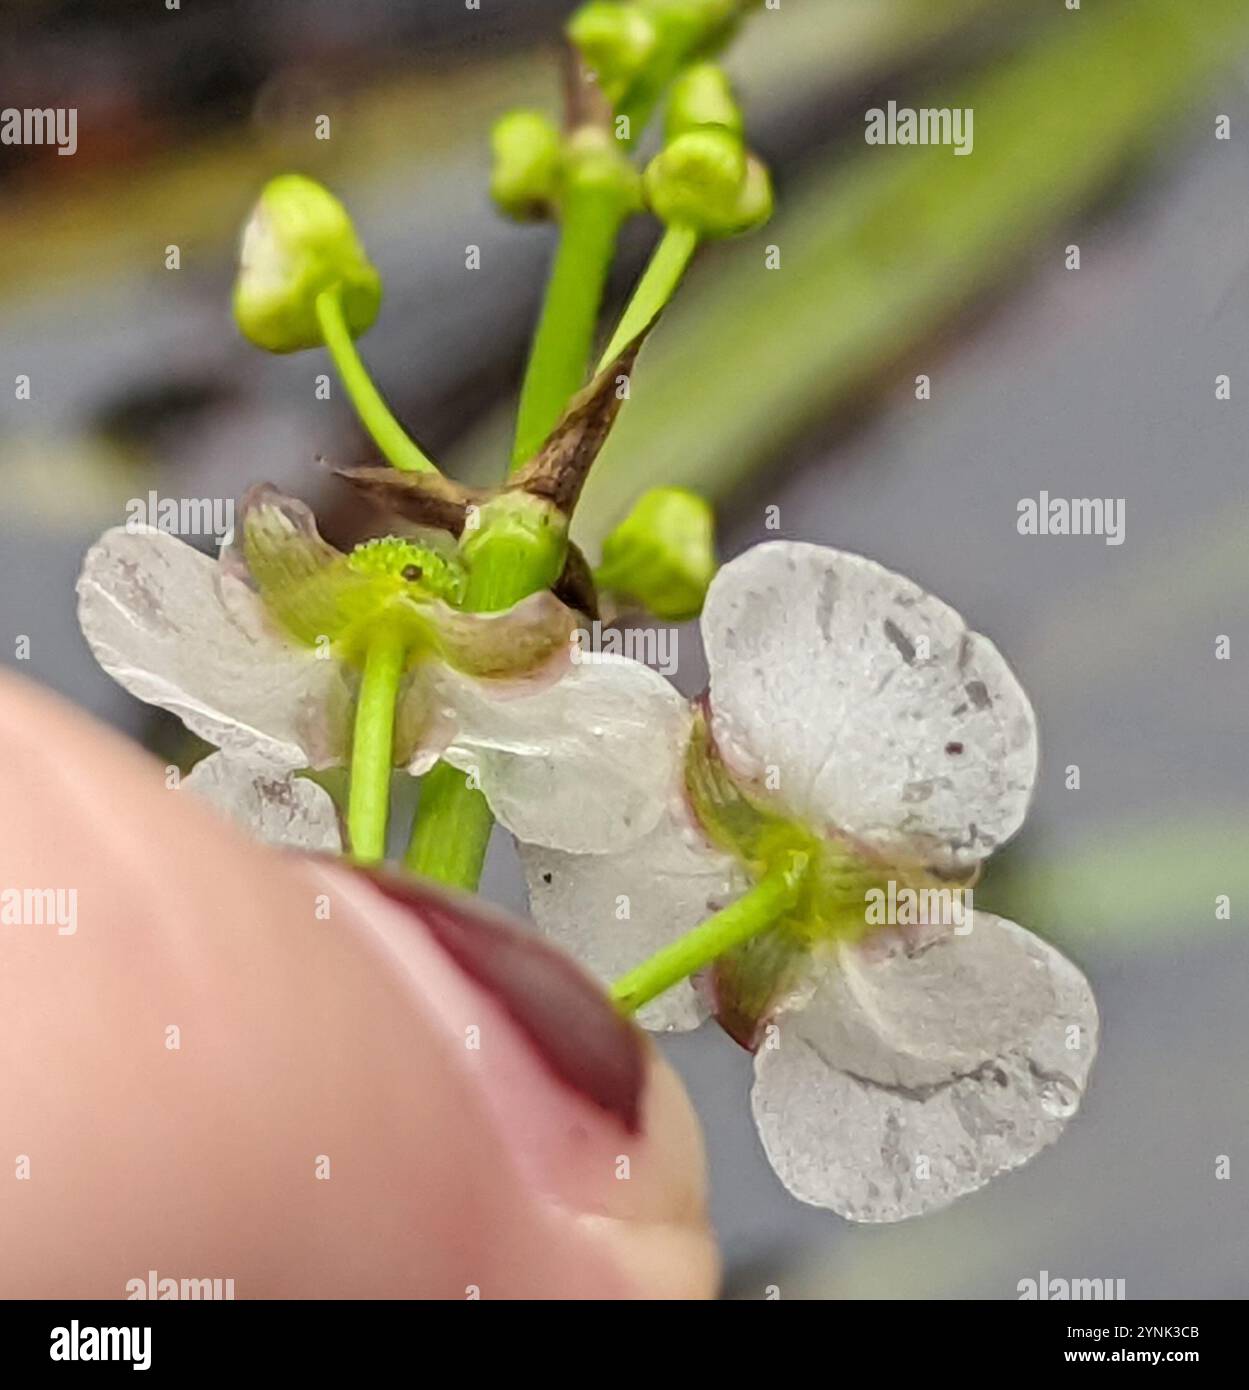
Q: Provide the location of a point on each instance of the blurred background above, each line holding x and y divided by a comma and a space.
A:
1095, 127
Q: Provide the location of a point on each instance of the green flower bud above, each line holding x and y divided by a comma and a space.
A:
755, 204
528, 154
705, 180
696, 180
702, 96
616, 41
662, 553
692, 27
298, 242
595, 160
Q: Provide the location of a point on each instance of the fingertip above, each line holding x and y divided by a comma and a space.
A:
301, 1035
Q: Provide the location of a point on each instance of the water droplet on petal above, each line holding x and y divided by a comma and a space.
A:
1059, 1097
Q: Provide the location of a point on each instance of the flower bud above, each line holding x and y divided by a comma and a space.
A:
692, 27
527, 156
705, 180
616, 41
702, 96
756, 200
662, 553
298, 242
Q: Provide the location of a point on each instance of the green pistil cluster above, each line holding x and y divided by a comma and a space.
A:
426, 571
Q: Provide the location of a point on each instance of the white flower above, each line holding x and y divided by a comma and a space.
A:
258, 653
274, 807
855, 717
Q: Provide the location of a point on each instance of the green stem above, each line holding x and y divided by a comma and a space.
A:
565, 335
387, 433
453, 823
372, 748
451, 830
656, 287
759, 909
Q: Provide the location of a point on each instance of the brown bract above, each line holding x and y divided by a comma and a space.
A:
555, 475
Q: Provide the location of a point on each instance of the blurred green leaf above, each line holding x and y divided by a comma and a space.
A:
1129, 885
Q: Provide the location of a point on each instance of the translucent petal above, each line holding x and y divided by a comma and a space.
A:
668, 882
273, 806
916, 1074
518, 653
179, 632
585, 764
883, 715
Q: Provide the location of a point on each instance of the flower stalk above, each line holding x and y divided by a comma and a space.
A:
451, 831
376, 416
516, 552
372, 749
520, 542
734, 925
565, 334
658, 284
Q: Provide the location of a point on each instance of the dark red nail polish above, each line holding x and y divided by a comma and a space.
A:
570, 1022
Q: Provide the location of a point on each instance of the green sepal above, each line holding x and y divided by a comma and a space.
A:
747, 822
306, 585
325, 599
522, 535
747, 985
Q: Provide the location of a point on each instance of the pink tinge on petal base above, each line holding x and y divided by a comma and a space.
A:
746, 988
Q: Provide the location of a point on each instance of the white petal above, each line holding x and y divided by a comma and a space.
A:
271, 805
180, 632
668, 882
585, 764
911, 1079
885, 716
